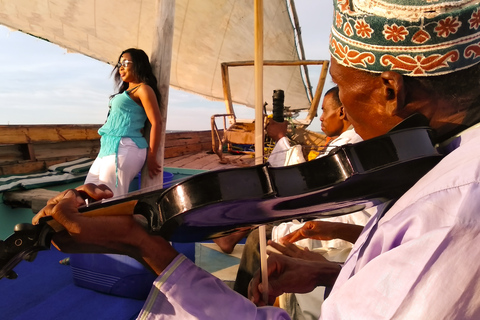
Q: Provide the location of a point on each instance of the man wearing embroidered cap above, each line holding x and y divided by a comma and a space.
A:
416, 259
408, 57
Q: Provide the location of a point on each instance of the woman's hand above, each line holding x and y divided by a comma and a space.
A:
153, 166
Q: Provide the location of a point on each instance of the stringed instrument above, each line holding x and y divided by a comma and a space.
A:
213, 204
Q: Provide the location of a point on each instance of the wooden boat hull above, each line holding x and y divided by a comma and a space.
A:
33, 148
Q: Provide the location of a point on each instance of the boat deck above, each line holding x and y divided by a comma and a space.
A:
207, 160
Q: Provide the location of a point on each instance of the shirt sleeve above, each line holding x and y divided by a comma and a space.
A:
185, 291
420, 264
279, 152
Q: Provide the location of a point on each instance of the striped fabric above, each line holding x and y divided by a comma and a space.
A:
57, 174
75, 166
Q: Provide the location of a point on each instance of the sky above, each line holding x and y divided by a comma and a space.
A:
40, 83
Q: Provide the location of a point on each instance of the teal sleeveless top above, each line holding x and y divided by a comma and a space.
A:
126, 119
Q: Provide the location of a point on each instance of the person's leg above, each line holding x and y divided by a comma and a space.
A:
130, 161
102, 171
228, 243
250, 261
94, 172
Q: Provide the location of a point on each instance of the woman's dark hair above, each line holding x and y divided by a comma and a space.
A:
142, 69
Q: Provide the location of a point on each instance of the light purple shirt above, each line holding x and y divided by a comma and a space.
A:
185, 291
421, 262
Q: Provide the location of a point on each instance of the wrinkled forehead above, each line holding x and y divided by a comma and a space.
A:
411, 37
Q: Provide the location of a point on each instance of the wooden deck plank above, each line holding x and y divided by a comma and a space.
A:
195, 159
209, 161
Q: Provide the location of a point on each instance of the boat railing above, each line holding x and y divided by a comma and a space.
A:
34, 148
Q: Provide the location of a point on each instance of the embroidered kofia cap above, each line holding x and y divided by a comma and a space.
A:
411, 37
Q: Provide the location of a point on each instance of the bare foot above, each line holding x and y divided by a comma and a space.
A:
228, 243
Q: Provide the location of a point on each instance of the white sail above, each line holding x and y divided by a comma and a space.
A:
207, 33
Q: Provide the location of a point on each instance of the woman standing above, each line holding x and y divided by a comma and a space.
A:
123, 149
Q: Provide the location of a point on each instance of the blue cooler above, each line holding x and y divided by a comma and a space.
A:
167, 179
136, 182
112, 274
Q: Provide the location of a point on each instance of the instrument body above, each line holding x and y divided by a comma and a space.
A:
351, 178
213, 204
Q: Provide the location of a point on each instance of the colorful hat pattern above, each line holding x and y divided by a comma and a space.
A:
411, 37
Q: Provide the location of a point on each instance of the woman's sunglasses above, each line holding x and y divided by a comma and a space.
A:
123, 63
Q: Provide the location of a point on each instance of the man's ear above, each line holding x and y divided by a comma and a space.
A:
394, 92
341, 112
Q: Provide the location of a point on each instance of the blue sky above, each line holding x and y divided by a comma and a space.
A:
42, 83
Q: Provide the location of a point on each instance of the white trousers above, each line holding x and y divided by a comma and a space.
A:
130, 162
